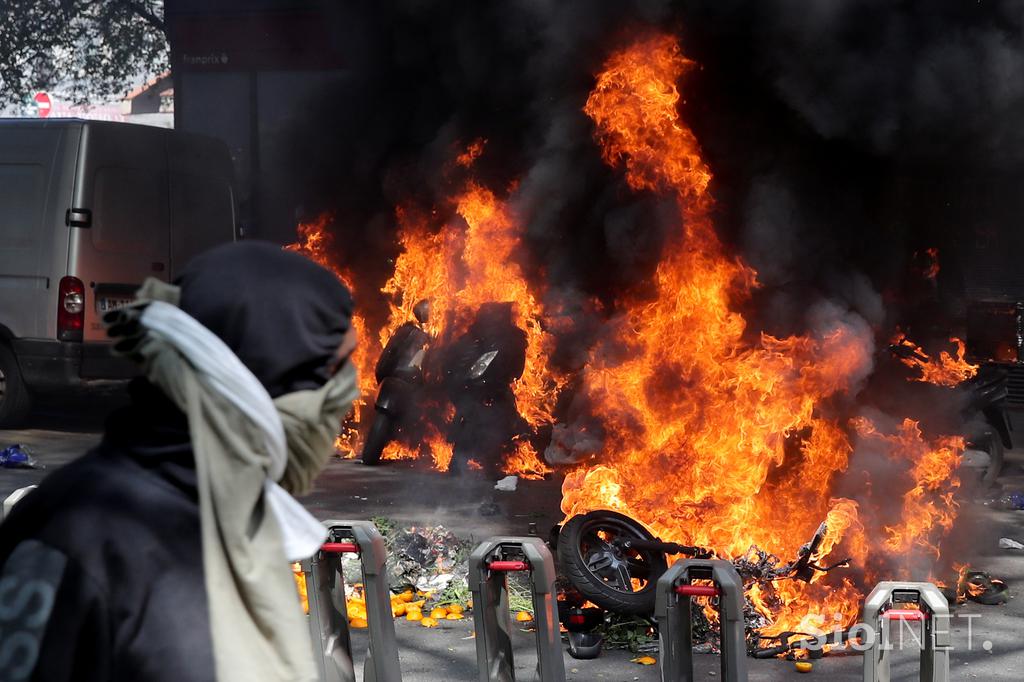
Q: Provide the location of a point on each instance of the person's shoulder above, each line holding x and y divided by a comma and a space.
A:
102, 497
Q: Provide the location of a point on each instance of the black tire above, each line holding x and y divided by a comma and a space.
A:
377, 439
599, 569
15, 399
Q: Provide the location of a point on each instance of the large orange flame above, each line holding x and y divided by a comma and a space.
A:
457, 269
713, 439
315, 242
713, 436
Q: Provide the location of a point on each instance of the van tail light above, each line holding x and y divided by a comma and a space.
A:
70, 309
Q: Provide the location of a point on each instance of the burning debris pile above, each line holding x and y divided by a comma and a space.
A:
685, 418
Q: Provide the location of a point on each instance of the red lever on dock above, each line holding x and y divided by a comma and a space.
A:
508, 566
905, 614
340, 547
697, 590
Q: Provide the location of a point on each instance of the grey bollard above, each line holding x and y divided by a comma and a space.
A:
488, 565
936, 638
328, 617
672, 610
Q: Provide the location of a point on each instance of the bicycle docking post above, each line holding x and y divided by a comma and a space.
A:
932, 612
488, 565
328, 616
673, 612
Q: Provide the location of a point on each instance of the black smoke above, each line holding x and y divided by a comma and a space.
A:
836, 131
846, 137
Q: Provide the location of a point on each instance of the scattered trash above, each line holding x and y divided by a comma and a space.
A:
1007, 543
524, 617
645, 660
803, 666
1014, 501
427, 558
980, 587
18, 457
428, 622
507, 484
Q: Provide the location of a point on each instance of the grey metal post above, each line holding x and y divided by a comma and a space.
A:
328, 618
488, 565
937, 639
672, 611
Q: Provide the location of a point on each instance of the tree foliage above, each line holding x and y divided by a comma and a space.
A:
87, 50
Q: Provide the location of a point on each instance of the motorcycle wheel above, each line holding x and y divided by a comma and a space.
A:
376, 439
620, 580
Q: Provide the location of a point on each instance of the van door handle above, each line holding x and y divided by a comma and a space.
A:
78, 217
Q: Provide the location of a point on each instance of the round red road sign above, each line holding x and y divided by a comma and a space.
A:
44, 104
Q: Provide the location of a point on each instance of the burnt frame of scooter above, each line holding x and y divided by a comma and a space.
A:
803, 568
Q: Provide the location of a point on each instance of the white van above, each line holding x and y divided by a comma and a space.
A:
88, 210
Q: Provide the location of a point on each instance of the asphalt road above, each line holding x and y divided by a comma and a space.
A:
63, 429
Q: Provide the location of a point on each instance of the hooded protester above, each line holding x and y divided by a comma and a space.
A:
163, 554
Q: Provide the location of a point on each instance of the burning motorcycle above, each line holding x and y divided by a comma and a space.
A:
483, 364
399, 373
616, 562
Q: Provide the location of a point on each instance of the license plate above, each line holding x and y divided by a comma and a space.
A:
104, 304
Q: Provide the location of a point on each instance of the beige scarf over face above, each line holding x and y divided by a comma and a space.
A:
243, 443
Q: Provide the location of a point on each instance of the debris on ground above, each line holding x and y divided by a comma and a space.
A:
1012, 501
507, 484
644, 660
981, 588
629, 632
1009, 543
18, 457
426, 558
803, 666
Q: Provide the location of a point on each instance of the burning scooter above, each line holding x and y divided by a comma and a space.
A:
615, 561
482, 365
399, 373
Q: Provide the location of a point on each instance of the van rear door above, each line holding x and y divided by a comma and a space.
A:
36, 179
122, 196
